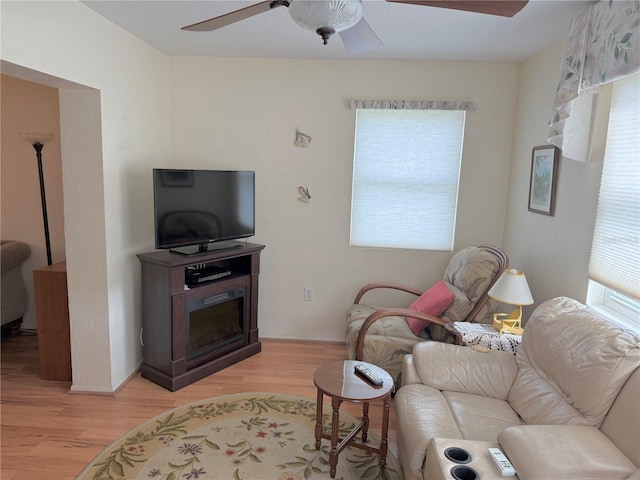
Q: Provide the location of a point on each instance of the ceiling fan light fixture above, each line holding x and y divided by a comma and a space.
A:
326, 17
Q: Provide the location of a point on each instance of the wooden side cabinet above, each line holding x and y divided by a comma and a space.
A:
52, 316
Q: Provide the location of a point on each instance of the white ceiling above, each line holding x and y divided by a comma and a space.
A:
408, 31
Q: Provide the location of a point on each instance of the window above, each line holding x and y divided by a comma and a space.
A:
405, 178
620, 309
614, 265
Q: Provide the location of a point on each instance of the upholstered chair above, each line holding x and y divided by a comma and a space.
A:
12, 287
382, 336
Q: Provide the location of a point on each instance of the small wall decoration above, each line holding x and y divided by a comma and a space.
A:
302, 139
304, 197
542, 185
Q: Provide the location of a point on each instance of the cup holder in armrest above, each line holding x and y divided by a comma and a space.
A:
457, 455
462, 472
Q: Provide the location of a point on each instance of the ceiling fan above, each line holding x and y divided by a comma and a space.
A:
345, 17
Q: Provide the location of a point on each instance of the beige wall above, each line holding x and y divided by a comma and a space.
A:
552, 251
31, 108
114, 112
133, 109
235, 114
243, 113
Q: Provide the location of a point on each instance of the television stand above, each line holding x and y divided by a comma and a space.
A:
206, 248
170, 296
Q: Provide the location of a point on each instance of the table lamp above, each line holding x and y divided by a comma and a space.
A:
512, 289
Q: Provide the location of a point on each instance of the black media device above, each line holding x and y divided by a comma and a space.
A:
195, 208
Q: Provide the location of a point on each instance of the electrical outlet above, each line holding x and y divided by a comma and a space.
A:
308, 294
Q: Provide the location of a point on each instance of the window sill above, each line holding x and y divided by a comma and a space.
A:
618, 320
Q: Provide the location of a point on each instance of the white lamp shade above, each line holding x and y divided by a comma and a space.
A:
37, 137
337, 14
512, 288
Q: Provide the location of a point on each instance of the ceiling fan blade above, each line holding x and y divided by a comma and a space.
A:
233, 17
360, 38
503, 8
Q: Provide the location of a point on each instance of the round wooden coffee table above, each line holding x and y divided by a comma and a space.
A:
339, 381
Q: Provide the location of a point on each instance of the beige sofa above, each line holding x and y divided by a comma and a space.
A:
12, 287
567, 406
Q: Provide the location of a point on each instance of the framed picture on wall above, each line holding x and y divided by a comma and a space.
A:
542, 185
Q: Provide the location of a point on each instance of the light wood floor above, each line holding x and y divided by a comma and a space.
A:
48, 433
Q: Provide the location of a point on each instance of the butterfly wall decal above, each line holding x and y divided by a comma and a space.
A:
305, 196
302, 139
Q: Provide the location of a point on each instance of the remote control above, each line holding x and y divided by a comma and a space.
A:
368, 374
502, 463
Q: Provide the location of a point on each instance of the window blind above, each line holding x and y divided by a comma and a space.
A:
615, 252
405, 178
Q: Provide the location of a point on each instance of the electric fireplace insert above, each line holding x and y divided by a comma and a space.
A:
215, 323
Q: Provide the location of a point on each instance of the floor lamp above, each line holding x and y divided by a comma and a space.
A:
38, 140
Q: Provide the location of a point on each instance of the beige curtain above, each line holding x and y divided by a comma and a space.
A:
413, 105
603, 45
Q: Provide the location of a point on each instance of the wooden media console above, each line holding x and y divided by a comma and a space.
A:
199, 312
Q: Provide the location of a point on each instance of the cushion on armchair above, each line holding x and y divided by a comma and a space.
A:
389, 339
472, 270
468, 276
434, 301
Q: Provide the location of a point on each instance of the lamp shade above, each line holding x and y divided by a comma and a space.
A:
335, 14
37, 137
512, 288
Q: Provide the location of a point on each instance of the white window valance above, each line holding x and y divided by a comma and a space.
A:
602, 46
413, 105
613, 47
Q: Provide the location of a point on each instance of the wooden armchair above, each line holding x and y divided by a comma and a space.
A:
382, 336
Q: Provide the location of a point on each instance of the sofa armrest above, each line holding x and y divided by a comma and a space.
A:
540, 452
463, 369
13, 254
409, 374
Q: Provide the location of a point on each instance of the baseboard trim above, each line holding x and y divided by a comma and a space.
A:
109, 393
299, 340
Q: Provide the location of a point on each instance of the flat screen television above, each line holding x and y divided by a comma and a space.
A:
194, 208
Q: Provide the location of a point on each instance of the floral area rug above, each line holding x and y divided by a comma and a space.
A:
252, 436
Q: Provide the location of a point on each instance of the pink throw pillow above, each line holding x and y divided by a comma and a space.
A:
434, 302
